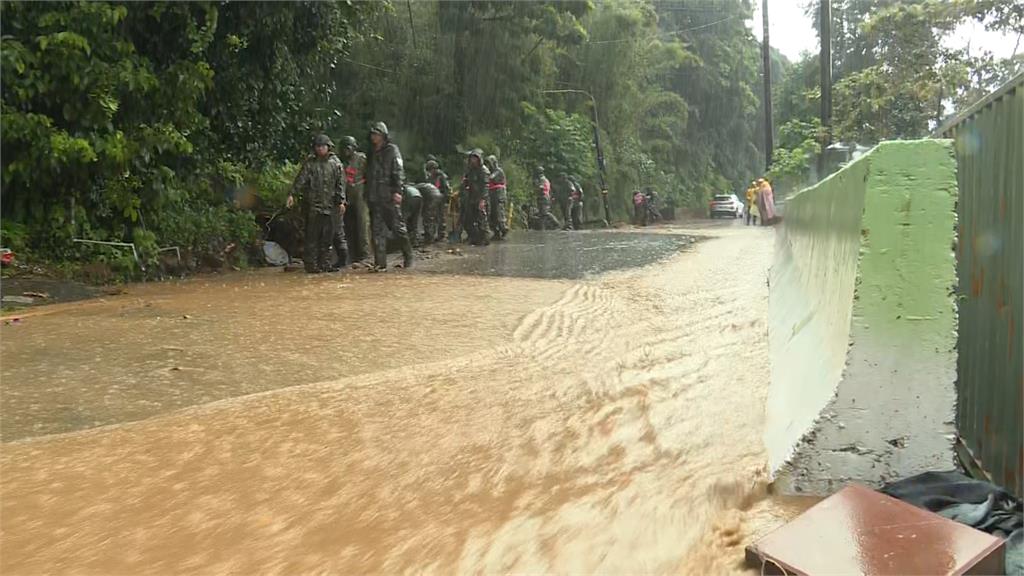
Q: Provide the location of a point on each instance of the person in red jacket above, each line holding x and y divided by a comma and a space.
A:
543, 187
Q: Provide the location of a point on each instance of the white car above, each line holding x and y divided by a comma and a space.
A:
725, 205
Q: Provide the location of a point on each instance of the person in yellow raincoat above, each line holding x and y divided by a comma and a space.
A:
752, 210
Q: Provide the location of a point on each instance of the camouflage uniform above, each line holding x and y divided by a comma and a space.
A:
439, 180
547, 219
321, 184
639, 208
474, 186
357, 216
384, 178
412, 209
428, 166
498, 193
560, 190
653, 211
434, 207
576, 198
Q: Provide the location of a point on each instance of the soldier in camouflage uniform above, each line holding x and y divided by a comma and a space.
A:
439, 179
385, 177
412, 212
357, 215
434, 206
474, 186
543, 186
576, 199
321, 185
498, 193
426, 167
561, 189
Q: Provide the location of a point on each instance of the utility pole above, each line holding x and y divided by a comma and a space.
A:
825, 25
412, 29
767, 56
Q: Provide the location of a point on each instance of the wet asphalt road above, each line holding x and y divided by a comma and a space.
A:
563, 254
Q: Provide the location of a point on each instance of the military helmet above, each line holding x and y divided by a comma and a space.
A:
491, 160
322, 140
431, 165
540, 170
349, 141
431, 158
476, 152
379, 128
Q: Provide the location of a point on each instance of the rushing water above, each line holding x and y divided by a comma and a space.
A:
606, 425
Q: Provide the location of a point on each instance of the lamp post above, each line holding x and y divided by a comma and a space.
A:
597, 147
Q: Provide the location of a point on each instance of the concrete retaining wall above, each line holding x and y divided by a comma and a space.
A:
862, 325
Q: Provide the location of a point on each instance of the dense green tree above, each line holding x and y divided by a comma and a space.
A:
124, 121
92, 129
894, 74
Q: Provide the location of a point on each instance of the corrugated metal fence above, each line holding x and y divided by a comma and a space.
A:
990, 253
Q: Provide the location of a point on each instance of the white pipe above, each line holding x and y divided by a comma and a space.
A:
176, 251
135, 253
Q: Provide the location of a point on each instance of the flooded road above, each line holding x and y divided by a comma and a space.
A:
560, 254
167, 346
610, 424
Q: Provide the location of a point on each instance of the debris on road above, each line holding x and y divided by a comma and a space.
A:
18, 300
860, 531
274, 254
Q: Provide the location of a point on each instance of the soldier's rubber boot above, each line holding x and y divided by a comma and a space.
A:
406, 254
341, 262
380, 262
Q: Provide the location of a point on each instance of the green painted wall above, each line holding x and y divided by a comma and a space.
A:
863, 323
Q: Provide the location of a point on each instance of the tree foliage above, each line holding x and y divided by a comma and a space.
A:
675, 92
894, 72
126, 121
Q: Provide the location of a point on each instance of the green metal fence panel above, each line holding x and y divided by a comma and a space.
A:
989, 141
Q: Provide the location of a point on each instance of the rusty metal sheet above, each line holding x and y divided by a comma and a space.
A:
989, 140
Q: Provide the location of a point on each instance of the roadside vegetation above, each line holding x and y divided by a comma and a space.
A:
182, 124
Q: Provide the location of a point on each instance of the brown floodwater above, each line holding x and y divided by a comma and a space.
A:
470, 425
165, 346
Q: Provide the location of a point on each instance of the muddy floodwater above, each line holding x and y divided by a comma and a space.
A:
426, 422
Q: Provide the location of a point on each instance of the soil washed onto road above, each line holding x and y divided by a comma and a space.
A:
423, 422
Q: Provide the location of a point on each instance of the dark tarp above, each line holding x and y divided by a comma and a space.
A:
979, 504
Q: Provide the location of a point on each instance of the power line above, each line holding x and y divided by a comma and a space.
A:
370, 66
701, 27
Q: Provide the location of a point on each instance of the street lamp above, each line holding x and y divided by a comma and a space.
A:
597, 147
